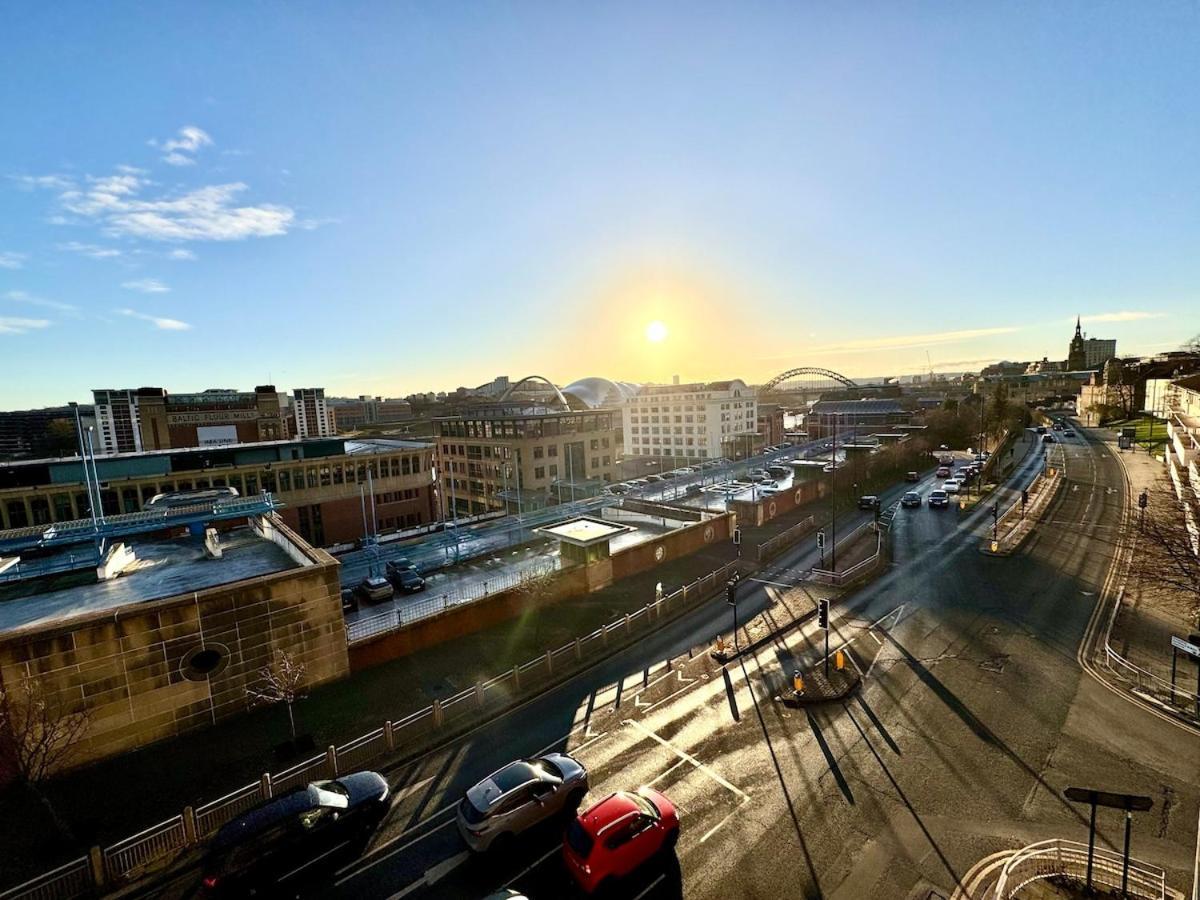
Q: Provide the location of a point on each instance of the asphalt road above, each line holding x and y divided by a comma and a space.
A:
974, 715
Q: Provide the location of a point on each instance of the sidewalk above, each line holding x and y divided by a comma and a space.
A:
1148, 616
157, 781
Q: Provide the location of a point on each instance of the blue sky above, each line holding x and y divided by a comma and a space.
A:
395, 197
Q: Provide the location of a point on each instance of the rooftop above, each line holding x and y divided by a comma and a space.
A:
163, 568
584, 531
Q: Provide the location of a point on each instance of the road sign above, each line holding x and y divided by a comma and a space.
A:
1190, 649
1128, 802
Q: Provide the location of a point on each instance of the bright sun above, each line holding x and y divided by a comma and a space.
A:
656, 332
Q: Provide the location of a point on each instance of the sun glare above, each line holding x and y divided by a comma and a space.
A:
656, 332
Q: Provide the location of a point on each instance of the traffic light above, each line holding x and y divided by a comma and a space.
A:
1143, 500
995, 511
823, 613
820, 540
1024, 496
731, 592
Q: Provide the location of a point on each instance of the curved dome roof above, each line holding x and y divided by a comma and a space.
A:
591, 393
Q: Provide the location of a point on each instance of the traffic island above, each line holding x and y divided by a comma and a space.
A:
816, 687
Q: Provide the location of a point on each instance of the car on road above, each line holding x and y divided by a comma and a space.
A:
1041, 429
1048, 439
1068, 433
1058, 426
375, 589
518, 796
951, 485
284, 836
868, 501
407, 580
910, 499
939, 499
943, 472
618, 835
912, 477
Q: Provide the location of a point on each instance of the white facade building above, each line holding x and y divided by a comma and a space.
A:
693, 421
118, 427
312, 415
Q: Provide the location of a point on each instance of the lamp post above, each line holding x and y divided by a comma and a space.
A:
833, 500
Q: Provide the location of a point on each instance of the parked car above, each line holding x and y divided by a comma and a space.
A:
943, 472
650, 479
868, 501
910, 499
756, 478
951, 485
693, 489
779, 471
290, 832
769, 491
519, 796
912, 477
395, 566
407, 580
1041, 429
349, 600
619, 489
939, 499
617, 835
637, 482
375, 589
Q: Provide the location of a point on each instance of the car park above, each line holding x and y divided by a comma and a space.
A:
943, 472
868, 501
618, 835
910, 499
939, 499
375, 589
518, 796
288, 834
912, 477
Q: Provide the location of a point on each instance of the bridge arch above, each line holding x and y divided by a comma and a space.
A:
807, 370
546, 381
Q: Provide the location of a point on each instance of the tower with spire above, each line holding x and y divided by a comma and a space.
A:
1076, 355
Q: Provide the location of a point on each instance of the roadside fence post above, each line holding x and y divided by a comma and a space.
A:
436, 706
331, 760
97, 868
479, 693
189, 826
604, 634
517, 677
578, 649
389, 736
549, 662
628, 627
264, 785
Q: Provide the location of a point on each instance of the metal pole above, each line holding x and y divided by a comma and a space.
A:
1091, 844
1174, 658
87, 476
95, 477
833, 500
827, 650
735, 625
1125, 864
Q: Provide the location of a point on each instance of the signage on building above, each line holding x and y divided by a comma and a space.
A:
216, 435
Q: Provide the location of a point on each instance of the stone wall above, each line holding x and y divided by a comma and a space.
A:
755, 513
134, 669
672, 545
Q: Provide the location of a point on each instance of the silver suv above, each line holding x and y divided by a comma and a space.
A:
519, 796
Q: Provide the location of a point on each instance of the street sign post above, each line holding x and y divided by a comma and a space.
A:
731, 599
1190, 647
1131, 803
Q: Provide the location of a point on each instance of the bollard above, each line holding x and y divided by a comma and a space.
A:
839, 660
389, 736
797, 682
189, 826
99, 871
549, 663
331, 760
516, 678
628, 626
578, 649
264, 785
437, 713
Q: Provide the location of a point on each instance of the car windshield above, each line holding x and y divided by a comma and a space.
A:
644, 805
544, 765
579, 840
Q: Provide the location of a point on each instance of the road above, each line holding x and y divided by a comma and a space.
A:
974, 715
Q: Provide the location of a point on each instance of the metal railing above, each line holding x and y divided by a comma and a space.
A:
1142, 678
159, 846
776, 545
414, 611
1068, 859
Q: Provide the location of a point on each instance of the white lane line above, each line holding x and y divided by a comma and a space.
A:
433, 875
533, 865
665, 772
374, 862
772, 583
655, 883
684, 755
732, 813
670, 696
877, 640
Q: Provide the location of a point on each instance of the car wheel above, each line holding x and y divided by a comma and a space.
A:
575, 800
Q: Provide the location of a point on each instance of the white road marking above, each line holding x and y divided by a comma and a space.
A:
655, 883
533, 865
433, 875
684, 755
374, 862
877, 640
773, 583
665, 772
732, 812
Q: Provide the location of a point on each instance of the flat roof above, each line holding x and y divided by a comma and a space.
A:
163, 568
583, 531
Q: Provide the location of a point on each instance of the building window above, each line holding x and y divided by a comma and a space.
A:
554, 471
553, 451
285, 481
538, 453
595, 462
539, 472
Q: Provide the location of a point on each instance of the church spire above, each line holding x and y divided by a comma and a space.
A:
1078, 322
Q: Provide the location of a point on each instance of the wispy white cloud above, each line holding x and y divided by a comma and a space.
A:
11, 260
146, 286
203, 214
53, 182
1124, 316
9, 325
158, 321
908, 341
181, 150
94, 251
181, 253
31, 300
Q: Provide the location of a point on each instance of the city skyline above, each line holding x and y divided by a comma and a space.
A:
852, 189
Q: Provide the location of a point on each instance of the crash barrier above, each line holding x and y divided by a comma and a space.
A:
828, 576
157, 847
772, 547
1068, 859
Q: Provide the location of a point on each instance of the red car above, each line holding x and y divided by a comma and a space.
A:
618, 834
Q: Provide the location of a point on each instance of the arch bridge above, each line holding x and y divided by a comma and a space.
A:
546, 381
807, 379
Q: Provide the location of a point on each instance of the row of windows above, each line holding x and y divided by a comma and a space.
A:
658, 451
679, 429
540, 426
691, 442
654, 420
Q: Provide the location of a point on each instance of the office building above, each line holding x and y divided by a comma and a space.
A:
690, 422
311, 414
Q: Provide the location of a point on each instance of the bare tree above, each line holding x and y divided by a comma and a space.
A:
1168, 549
280, 682
41, 732
1192, 345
